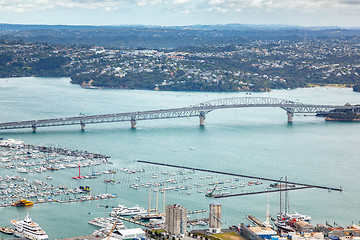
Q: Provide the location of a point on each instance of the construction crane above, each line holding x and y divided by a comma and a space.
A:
111, 231
106, 207
211, 194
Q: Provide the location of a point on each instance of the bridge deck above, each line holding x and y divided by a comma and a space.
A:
192, 111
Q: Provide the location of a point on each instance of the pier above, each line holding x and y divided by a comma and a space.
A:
243, 176
134, 221
66, 201
255, 221
199, 110
196, 211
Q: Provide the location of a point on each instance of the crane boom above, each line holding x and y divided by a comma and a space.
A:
112, 229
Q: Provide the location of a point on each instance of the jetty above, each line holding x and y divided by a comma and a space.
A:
260, 192
243, 176
134, 221
255, 221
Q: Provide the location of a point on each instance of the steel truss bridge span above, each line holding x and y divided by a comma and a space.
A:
199, 110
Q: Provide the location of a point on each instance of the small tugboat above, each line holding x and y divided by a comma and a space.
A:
23, 203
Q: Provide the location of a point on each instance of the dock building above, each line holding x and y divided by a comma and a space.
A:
128, 234
264, 232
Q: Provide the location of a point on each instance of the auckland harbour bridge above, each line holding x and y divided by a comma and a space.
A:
199, 110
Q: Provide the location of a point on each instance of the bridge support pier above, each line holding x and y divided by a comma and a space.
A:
290, 116
82, 126
202, 120
33, 127
133, 124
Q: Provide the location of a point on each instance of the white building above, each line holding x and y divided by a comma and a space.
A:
127, 234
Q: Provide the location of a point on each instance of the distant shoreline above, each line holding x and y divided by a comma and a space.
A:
330, 85
155, 89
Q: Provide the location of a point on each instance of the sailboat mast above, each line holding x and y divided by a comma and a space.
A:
280, 200
286, 197
149, 200
288, 203
157, 198
164, 201
267, 221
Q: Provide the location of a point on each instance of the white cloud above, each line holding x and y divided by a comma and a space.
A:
218, 9
217, 2
185, 11
190, 6
31, 5
181, 1
141, 3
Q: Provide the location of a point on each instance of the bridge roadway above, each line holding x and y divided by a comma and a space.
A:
199, 110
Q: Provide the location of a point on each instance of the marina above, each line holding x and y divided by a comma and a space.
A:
182, 181
16, 153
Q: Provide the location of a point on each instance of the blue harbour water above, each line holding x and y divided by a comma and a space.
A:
250, 141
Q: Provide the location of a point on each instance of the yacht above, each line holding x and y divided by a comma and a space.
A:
6, 230
297, 216
132, 211
107, 222
283, 226
116, 210
22, 170
29, 229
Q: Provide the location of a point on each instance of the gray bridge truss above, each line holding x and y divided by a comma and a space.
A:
199, 110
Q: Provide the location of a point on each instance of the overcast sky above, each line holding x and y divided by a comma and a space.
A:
182, 12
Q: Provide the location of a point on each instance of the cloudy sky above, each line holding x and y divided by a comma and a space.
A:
182, 12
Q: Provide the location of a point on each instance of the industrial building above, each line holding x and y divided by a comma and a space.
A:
127, 234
